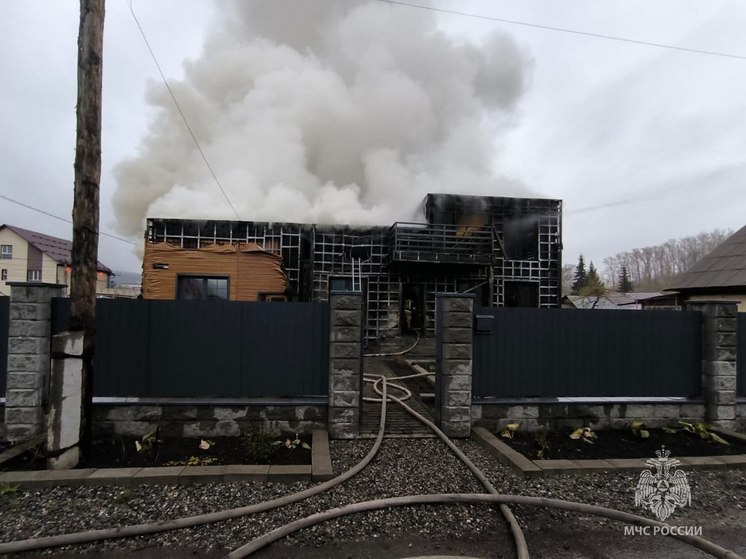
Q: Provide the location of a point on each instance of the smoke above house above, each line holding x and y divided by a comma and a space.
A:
325, 112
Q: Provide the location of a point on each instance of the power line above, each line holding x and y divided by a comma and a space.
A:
564, 30
100, 233
178, 108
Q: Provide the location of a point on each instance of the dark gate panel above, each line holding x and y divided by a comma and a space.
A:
120, 365
203, 349
194, 348
741, 355
564, 353
4, 324
285, 349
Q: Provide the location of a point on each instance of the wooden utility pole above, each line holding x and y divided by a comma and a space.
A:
86, 198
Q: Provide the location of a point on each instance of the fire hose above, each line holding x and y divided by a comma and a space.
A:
492, 498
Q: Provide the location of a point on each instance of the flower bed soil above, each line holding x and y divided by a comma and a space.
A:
615, 443
121, 452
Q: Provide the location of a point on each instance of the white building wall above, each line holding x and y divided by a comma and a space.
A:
15, 267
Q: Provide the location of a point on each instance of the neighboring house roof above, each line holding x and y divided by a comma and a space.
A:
57, 249
593, 302
639, 296
611, 300
724, 267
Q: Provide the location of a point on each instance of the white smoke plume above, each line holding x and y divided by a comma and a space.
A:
325, 112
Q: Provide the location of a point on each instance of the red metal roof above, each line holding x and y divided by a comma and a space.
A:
57, 249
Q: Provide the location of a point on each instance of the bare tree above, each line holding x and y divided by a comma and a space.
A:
652, 268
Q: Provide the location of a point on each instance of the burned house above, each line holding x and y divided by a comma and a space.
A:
507, 251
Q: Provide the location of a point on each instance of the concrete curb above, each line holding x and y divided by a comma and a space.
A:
531, 468
320, 469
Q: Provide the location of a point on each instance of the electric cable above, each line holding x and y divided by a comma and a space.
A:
181, 113
565, 30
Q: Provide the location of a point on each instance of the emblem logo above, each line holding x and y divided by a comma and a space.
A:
661, 492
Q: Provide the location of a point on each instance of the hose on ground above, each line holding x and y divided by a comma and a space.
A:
515, 529
187, 522
367, 506
410, 348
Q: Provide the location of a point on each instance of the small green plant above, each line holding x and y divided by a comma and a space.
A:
149, 444
542, 439
258, 444
293, 444
124, 496
703, 431
584, 434
510, 430
7, 488
201, 460
638, 429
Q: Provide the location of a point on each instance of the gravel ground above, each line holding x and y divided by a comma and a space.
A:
403, 466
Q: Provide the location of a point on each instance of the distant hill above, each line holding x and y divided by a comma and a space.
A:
126, 278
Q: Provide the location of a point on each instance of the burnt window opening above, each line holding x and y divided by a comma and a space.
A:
202, 288
521, 238
521, 294
340, 284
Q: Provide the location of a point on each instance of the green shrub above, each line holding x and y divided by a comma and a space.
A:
258, 444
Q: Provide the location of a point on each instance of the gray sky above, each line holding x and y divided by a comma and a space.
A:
643, 144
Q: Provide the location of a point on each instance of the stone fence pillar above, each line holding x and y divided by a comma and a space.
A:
454, 326
28, 357
345, 364
718, 360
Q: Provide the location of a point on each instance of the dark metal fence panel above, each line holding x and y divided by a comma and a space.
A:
202, 349
285, 348
4, 324
61, 314
741, 355
120, 364
564, 353
194, 348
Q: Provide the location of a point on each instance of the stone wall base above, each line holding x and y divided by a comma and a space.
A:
203, 420
553, 416
741, 417
3, 429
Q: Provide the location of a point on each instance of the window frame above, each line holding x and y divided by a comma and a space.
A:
204, 278
6, 252
4, 274
33, 276
346, 279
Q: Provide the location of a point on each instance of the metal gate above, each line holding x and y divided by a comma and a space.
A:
549, 353
198, 349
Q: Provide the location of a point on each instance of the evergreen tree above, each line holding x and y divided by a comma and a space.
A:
578, 280
625, 284
593, 285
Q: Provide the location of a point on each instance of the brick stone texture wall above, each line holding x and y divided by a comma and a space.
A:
535, 416
28, 358
454, 356
719, 353
206, 420
345, 361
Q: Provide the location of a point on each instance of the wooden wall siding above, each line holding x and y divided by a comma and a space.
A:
551, 353
250, 269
